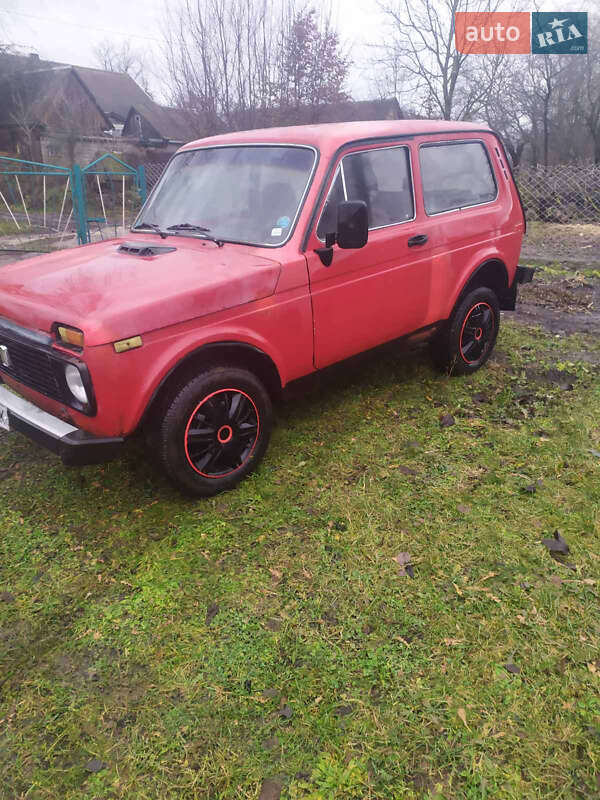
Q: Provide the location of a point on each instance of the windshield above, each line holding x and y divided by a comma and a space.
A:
242, 194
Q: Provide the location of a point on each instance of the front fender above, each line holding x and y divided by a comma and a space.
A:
166, 359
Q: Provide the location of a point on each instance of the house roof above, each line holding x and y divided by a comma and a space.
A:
168, 123
114, 92
27, 96
16, 62
358, 110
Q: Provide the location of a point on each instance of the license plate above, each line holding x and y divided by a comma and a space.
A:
4, 421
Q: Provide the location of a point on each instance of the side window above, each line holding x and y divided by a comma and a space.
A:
455, 176
381, 178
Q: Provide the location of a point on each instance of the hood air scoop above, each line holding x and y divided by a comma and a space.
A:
144, 249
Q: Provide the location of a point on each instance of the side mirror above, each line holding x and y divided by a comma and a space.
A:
352, 224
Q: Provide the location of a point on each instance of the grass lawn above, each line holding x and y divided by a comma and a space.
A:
155, 647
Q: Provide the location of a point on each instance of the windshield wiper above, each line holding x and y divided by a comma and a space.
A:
153, 226
187, 226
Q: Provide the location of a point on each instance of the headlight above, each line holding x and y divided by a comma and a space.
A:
75, 384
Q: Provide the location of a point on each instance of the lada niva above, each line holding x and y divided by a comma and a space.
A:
259, 258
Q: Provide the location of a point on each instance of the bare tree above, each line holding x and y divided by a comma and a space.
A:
387, 75
543, 72
421, 52
538, 104
590, 89
21, 115
506, 109
243, 63
123, 58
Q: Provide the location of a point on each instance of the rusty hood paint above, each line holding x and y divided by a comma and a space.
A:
112, 295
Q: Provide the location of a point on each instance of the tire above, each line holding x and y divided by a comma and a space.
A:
468, 338
235, 412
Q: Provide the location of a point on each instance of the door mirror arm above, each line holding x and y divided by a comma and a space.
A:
326, 253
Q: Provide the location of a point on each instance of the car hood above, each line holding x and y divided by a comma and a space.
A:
112, 294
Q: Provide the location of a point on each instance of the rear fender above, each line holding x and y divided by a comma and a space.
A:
490, 271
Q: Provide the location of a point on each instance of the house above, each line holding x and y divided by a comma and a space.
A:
47, 99
43, 100
150, 122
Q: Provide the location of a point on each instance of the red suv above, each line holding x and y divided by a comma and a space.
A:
258, 258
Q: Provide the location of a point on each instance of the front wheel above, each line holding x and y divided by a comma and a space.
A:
467, 340
215, 430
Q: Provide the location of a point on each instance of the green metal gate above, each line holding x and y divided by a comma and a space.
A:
90, 183
45, 207
36, 205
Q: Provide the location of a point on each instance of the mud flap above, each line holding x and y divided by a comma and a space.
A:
508, 298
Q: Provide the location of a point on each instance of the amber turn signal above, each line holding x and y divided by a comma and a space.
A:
70, 335
128, 344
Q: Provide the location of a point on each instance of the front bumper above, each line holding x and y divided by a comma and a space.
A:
508, 299
75, 446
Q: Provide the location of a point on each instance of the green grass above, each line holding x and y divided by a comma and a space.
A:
396, 686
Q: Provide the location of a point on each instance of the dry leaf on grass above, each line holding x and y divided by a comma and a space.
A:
95, 765
556, 544
276, 575
404, 565
270, 790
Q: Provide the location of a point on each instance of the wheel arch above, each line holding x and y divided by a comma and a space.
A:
227, 353
493, 274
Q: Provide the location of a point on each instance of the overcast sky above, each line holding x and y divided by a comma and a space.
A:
68, 30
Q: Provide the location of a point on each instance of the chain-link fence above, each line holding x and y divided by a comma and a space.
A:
563, 193
154, 169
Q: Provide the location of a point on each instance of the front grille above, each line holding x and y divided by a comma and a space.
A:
32, 367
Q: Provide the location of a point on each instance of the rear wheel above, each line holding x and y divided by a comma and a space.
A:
467, 340
215, 430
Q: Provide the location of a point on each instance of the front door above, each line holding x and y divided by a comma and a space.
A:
380, 292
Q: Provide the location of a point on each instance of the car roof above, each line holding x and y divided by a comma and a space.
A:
328, 137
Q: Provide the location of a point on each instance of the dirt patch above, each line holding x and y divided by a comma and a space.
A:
552, 377
572, 293
564, 296
561, 304
557, 321
570, 245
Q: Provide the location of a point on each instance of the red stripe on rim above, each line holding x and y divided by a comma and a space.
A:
466, 360
187, 427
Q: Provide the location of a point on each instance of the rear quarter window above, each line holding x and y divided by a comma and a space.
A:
455, 175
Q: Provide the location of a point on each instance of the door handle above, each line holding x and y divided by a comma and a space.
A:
420, 238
